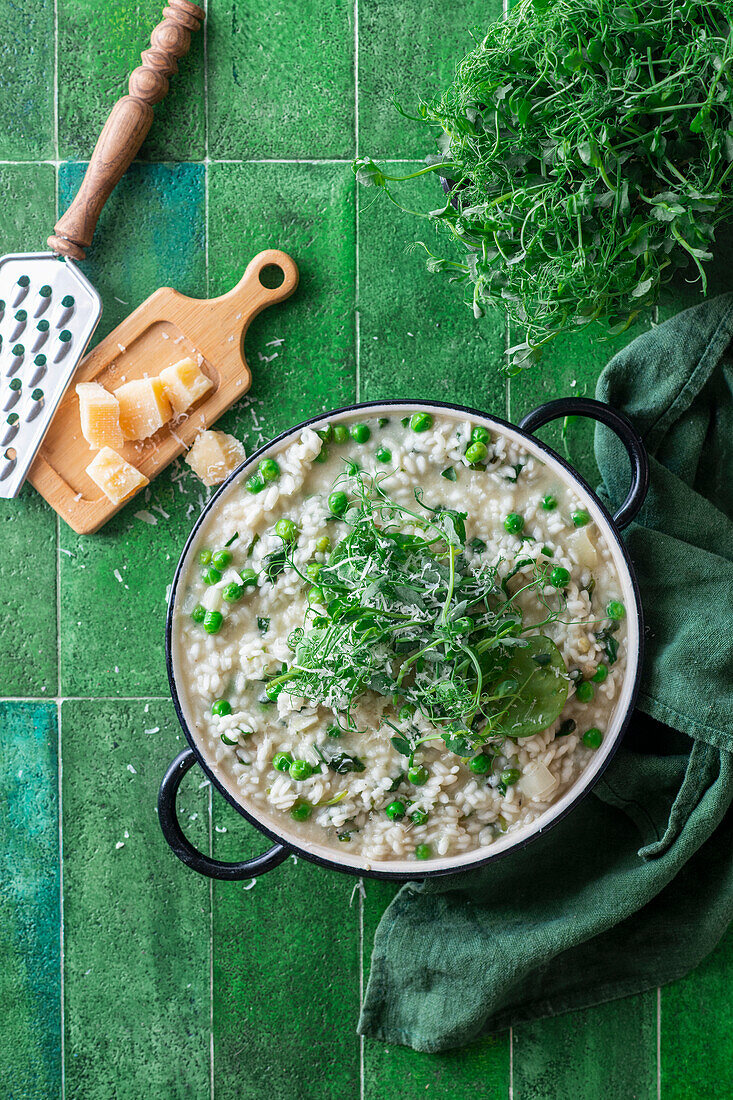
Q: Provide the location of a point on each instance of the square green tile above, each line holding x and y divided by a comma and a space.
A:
28, 657
281, 80
137, 922
408, 51
570, 367
150, 234
286, 976
30, 946
301, 353
417, 336
609, 1051
26, 93
393, 1072
99, 46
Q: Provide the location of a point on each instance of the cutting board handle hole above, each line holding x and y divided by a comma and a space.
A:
272, 276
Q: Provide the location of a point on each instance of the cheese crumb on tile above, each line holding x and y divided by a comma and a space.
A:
99, 412
214, 456
144, 407
183, 384
117, 479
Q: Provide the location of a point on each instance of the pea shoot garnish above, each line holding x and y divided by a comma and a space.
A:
401, 613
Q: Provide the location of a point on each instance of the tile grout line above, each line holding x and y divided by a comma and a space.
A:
56, 162
357, 381
59, 749
59, 699
508, 406
357, 319
207, 164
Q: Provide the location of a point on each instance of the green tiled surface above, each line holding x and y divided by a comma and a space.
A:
127, 975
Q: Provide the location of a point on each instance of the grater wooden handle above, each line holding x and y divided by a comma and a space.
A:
125, 129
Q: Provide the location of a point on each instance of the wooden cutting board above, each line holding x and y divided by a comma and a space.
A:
167, 327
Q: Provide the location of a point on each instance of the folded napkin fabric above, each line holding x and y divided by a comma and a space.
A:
635, 886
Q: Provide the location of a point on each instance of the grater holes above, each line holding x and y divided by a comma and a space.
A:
39, 372
64, 345
21, 290
10, 433
67, 310
11, 458
36, 407
44, 295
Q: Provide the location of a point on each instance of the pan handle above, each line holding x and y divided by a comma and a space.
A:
184, 849
618, 423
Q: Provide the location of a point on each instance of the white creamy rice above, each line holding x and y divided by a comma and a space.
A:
465, 811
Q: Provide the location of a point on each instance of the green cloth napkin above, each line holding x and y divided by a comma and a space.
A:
635, 886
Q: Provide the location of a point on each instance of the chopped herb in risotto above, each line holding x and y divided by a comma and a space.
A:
401, 635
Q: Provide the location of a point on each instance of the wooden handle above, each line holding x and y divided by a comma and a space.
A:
251, 295
125, 129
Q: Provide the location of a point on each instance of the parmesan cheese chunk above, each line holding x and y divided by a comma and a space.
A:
183, 384
214, 456
99, 412
144, 407
537, 781
117, 479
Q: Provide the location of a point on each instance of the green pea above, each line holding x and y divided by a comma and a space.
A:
360, 433
616, 610
480, 435
338, 503
549, 503
384, 455
233, 592
213, 621
418, 775
281, 761
221, 707
300, 770
476, 452
600, 674
548, 551
211, 575
301, 811
396, 810
352, 468
559, 577
249, 577
323, 544
406, 712
510, 776
199, 613
312, 570
419, 817
220, 559
315, 595
423, 851
205, 556
585, 692
514, 523
340, 434
256, 483
421, 422
566, 727
325, 433
269, 469
481, 764
322, 455
581, 518
287, 530
592, 738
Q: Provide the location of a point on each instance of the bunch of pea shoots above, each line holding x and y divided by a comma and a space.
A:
406, 608
586, 148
